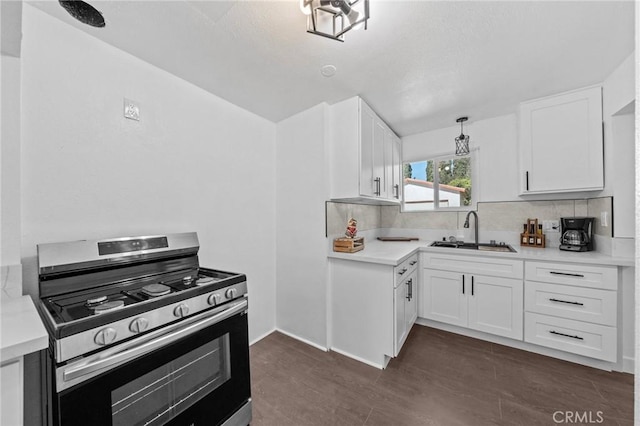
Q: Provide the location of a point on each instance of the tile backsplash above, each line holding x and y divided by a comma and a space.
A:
494, 216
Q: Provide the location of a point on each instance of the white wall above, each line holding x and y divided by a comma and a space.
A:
495, 141
301, 250
10, 166
619, 127
194, 162
421, 193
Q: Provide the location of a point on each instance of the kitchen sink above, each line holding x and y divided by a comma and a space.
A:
473, 246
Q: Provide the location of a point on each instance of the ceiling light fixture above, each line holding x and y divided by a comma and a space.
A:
333, 18
462, 141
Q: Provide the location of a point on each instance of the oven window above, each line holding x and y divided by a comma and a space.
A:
163, 393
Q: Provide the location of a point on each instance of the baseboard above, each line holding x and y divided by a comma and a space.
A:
303, 340
364, 361
257, 339
628, 365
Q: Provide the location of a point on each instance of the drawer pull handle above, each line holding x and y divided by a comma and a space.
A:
403, 271
413, 262
566, 335
566, 301
566, 274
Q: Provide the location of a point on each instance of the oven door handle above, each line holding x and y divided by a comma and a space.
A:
168, 336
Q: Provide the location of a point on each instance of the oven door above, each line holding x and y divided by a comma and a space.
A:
195, 372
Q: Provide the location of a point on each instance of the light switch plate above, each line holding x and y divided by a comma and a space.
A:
604, 219
131, 110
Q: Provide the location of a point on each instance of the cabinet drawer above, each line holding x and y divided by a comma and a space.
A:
506, 268
592, 340
406, 267
577, 303
605, 277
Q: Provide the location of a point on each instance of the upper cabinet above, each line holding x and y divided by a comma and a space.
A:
561, 145
365, 155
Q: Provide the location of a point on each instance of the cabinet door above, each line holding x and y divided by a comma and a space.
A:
496, 305
400, 324
406, 309
442, 297
411, 300
379, 166
561, 146
367, 127
395, 191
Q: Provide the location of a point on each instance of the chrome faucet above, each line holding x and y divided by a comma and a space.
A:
466, 223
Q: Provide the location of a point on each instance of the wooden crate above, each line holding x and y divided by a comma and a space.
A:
348, 245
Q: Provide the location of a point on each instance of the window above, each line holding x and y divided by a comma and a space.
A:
440, 183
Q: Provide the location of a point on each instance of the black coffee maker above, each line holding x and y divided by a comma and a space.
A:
577, 233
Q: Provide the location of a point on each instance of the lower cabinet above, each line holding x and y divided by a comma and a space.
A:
406, 309
480, 302
373, 307
573, 308
11, 389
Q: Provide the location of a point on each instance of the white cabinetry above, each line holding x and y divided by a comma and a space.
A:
405, 301
365, 155
373, 307
22, 333
561, 143
483, 294
11, 389
572, 307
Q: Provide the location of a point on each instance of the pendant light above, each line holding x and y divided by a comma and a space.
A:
462, 141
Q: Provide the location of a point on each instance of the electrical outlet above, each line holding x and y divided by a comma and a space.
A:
131, 110
551, 225
604, 219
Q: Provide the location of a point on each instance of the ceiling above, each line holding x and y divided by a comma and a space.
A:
420, 64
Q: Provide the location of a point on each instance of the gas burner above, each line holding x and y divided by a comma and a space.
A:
108, 306
155, 290
92, 303
204, 280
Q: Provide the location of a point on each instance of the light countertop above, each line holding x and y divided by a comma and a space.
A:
394, 252
21, 330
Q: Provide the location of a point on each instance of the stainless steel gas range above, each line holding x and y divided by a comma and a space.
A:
140, 334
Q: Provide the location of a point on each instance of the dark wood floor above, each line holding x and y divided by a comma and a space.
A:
439, 378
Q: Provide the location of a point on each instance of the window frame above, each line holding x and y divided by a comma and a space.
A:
473, 155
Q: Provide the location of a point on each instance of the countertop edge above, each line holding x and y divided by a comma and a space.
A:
396, 252
22, 329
